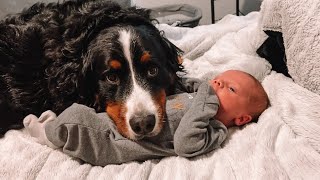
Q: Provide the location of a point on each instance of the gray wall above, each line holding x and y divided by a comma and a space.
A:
222, 7
12, 6
204, 5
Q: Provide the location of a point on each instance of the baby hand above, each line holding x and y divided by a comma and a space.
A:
36, 127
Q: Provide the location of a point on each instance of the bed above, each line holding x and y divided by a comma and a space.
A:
284, 144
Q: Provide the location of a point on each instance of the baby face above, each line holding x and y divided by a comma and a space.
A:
233, 89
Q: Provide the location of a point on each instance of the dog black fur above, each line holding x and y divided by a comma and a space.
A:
49, 57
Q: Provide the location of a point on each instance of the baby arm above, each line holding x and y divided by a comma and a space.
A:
191, 84
91, 137
198, 132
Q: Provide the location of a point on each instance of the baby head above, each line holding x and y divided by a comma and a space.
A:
242, 98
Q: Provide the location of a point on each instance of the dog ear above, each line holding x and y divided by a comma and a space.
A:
174, 55
83, 25
174, 64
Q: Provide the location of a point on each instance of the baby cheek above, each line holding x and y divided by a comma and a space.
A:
226, 103
220, 114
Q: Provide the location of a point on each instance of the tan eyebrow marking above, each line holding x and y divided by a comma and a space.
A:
180, 60
145, 57
115, 64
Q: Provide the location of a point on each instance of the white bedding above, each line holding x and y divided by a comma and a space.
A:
299, 22
284, 144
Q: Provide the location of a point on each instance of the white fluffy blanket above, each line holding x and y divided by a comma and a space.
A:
299, 22
284, 144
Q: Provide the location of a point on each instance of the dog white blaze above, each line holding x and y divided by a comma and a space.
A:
139, 102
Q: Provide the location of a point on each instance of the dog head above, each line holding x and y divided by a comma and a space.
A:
135, 67
129, 68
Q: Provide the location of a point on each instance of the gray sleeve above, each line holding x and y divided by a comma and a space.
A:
191, 84
198, 132
92, 137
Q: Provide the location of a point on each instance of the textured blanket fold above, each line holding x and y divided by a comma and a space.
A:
284, 144
299, 22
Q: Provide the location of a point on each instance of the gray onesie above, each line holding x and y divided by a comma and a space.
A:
189, 130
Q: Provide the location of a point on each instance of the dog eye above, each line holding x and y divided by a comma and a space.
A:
113, 78
153, 71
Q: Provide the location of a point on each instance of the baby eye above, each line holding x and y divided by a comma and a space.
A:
232, 89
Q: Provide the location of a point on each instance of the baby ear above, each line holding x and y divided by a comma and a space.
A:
244, 119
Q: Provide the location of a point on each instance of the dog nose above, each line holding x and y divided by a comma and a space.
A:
143, 125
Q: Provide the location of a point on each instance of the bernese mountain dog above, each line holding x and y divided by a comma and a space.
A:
95, 53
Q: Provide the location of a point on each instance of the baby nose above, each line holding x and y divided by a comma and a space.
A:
219, 83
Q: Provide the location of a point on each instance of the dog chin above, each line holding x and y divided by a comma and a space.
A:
136, 137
